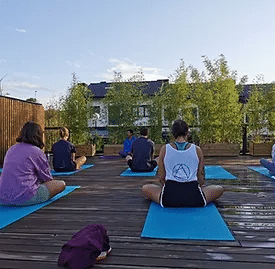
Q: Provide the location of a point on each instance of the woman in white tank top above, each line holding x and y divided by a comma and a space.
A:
181, 174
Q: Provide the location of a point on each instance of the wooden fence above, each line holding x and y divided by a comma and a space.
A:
13, 114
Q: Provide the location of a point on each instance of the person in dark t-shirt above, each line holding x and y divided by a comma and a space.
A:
64, 154
142, 151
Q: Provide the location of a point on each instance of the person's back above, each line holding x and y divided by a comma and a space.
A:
181, 174
26, 178
62, 156
142, 150
181, 165
24, 165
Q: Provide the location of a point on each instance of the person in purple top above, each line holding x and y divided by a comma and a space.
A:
64, 154
26, 178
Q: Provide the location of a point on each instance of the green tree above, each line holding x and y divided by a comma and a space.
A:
33, 100
178, 97
270, 111
255, 110
217, 98
77, 110
156, 108
123, 100
53, 116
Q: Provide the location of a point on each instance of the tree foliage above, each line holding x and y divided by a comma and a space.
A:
156, 109
77, 110
260, 108
217, 98
53, 117
178, 97
207, 100
123, 100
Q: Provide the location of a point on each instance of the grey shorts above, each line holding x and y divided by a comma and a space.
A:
42, 195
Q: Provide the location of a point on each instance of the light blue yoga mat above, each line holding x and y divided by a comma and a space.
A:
83, 167
196, 223
262, 170
129, 173
10, 214
53, 173
217, 172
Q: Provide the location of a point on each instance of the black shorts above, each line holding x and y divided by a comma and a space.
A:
152, 165
66, 169
182, 194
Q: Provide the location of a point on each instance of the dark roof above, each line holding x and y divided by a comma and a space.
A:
247, 89
99, 90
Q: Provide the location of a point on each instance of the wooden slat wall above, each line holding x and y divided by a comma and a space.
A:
13, 114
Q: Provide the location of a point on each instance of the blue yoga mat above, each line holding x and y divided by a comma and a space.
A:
83, 167
129, 173
53, 173
196, 223
262, 170
217, 172
10, 214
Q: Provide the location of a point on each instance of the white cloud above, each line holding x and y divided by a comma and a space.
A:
73, 64
91, 53
2, 61
129, 69
24, 85
21, 30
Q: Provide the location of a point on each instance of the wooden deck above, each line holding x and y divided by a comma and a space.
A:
104, 197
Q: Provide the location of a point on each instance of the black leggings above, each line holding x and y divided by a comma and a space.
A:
152, 165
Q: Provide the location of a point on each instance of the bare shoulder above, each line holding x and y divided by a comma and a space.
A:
199, 151
162, 150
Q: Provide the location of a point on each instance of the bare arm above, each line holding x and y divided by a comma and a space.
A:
201, 173
73, 156
161, 168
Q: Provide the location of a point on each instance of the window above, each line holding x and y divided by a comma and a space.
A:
97, 109
144, 111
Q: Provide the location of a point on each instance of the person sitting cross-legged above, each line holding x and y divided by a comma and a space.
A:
181, 174
64, 154
142, 153
127, 143
26, 178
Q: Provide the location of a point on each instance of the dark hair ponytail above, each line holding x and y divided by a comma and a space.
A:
63, 131
179, 128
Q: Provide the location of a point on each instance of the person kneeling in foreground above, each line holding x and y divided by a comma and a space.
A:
181, 173
64, 154
26, 178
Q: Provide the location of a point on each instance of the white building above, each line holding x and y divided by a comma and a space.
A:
104, 117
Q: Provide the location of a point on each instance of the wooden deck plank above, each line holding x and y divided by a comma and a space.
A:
247, 206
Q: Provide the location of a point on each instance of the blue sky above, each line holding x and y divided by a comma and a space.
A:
43, 42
